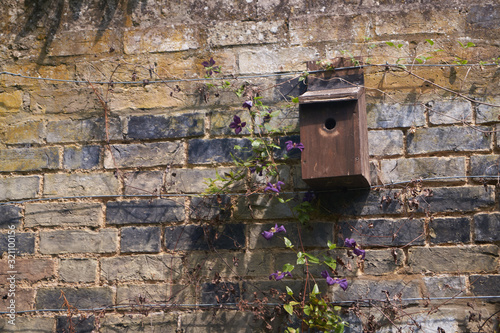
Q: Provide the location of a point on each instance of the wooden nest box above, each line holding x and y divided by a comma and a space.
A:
332, 115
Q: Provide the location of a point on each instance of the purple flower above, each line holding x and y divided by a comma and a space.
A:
359, 252
248, 105
309, 196
209, 67
269, 234
330, 281
290, 145
279, 275
274, 187
349, 242
237, 124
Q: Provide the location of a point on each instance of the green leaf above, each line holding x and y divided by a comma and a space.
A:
470, 44
300, 258
331, 246
288, 308
430, 41
312, 259
392, 44
293, 303
288, 267
399, 46
307, 310
280, 199
237, 147
288, 243
462, 45
315, 290
337, 308
295, 100
289, 291
330, 262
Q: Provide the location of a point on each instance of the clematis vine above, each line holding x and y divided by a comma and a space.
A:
351, 243
331, 281
290, 145
237, 124
274, 187
278, 275
210, 68
269, 234
248, 105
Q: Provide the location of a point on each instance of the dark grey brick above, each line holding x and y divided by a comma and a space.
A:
10, 215
406, 169
394, 115
485, 165
485, 285
458, 199
220, 293
144, 211
383, 232
487, 113
262, 207
487, 227
367, 289
385, 143
449, 111
144, 155
252, 290
142, 267
29, 159
140, 239
312, 235
358, 202
450, 230
444, 286
86, 157
79, 324
82, 298
83, 130
195, 237
161, 127
203, 151
437, 139
216, 208
25, 243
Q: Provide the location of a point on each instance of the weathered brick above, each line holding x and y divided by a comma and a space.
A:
152, 323
407, 169
444, 286
312, 235
268, 60
487, 113
77, 270
11, 101
453, 259
76, 101
261, 207
382, 115
449, 112
25, 300
245, 33
220, 293
195, 237
176, 181
27, 132
210, 208
86, 130
449, 230
203, 151
383, 232
24, 243
86, 157
142, 267
220, 121
80, 42
358, 202
80, 184
140, 239
79, 324
78, 241
144, 211
385, 143
15, 188
229, 265
30, 270
485, 165
81, 298
458, 199
154, 293
485, 285
144, 155
28, 324
178, 37
438, 139
63, 214
28, 159
130, 98
164, 127
367, 289
10, 215
487, 227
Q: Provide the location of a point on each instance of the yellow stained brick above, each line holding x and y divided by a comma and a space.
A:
11, 101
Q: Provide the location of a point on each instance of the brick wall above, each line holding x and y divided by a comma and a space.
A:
80, 186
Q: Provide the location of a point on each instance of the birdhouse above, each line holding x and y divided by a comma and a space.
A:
332, 116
